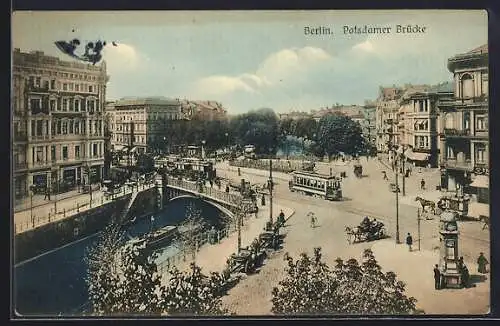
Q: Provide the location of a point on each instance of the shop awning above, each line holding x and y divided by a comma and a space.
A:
133, 149
481, 181
477, 210
415, 156
118, 147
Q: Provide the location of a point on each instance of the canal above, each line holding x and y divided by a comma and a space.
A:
53, 283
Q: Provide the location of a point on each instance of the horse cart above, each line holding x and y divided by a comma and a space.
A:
366, 232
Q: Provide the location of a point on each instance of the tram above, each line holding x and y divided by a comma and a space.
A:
314, 184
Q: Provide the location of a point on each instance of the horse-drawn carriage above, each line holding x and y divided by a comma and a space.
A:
358, 170
366, 231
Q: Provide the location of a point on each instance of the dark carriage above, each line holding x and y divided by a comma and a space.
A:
362, 233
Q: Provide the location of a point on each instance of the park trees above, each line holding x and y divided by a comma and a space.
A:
259, 128
338, 133
190, 230
311, 287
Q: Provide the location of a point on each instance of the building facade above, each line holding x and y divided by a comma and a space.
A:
463, 127
136, 123
386, 118
418, 123
57, 122
203, 110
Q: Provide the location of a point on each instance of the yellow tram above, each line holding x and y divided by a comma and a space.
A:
314, 184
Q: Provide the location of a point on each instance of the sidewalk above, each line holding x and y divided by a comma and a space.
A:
397, 258
212, 258
67, 207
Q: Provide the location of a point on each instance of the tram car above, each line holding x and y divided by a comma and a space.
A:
204, 168
314, 184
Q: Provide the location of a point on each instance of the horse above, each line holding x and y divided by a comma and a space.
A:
352, 232
426, 203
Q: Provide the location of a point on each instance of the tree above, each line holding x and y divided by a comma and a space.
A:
122, 279
306, 127
193, 293
338, 133
189, 231
259, 128
311, 287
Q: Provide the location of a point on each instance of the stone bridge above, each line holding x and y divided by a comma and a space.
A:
226, 202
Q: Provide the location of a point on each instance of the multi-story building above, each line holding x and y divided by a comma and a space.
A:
369, 125
203, 110
464, 126
137, 124
386, 117
57, 122
418, 120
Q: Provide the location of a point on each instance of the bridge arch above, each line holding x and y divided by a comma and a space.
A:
212, 203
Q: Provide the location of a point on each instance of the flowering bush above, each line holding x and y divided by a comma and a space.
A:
311, 287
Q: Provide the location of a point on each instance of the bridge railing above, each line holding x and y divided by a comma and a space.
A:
197, 188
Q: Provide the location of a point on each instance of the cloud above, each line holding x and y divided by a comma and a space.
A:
365, 46
123, 57
276, 69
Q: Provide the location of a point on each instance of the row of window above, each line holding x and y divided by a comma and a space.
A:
62, 74
480, 154
40, 154
52, 84
312, 183
481, 121
66, 105
63, 127
422, 141
125, 139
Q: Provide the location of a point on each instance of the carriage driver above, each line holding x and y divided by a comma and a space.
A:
365, 224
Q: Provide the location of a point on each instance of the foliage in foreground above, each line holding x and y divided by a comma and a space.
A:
311, 287
123, 280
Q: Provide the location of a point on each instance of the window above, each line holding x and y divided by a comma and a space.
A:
65, 87
59, 127
70, 86
91, 105
71, 126
448, 118
77, 87
46, 84
65, 104
94, 150
65, 127
90, 89
450, 154
53, 153
65, 152
481, 154
39, 154
38, 81
36, 105
77, 151
481, 124
77, 127
467, 85
71, 105
82, 105
77, 105
52, 104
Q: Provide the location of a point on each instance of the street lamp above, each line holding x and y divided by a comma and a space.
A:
397, 208
32, 189
164, 144
227, 140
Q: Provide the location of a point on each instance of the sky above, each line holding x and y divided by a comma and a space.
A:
256, 59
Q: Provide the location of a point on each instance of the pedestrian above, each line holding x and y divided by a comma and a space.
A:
227, 189
281, 218
263, 200
385, 175
409, 241
437, 277
422, 184
239, 171
481, 263
46, 193
465, 276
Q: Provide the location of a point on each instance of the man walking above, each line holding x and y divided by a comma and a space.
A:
422, 184
437, 277
481, 263
409, 241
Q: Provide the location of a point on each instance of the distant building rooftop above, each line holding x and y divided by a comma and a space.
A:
126, 101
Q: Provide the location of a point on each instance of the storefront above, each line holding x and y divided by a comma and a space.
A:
40, 182
69, 177
20, 189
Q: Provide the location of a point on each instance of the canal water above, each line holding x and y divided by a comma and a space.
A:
53, 283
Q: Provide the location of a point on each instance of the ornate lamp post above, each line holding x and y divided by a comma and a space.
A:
271, 186
164, 144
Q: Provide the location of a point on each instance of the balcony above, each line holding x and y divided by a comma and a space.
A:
453, 132
40, 165
452, 163
20, 166
481, 133
20, 136
38, 88
40, 138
